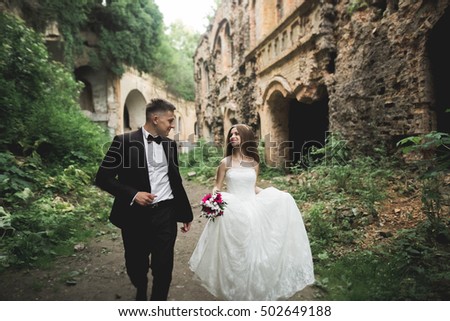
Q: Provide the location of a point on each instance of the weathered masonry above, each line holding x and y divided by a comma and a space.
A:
372, 71
118, 103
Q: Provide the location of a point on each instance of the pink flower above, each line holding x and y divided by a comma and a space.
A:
206, 197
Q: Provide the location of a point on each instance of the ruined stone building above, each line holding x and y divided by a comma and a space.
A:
118, 103
371, 71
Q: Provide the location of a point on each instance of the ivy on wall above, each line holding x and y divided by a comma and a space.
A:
130, 33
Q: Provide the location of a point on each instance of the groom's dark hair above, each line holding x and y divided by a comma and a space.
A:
158, 105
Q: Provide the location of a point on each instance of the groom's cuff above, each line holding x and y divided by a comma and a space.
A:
132, 201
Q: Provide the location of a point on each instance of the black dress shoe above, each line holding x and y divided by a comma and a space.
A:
141, 295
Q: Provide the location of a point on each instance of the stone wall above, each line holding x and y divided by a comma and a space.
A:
382, 87
296, 70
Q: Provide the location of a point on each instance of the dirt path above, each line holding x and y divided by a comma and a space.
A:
97, 272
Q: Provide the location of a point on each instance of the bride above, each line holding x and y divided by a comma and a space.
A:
259, 249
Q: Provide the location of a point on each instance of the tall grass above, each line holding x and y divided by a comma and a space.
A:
340, 201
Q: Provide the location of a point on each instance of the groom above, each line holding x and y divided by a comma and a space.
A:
140, 170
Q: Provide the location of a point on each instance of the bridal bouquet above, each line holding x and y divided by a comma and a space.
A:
212, 205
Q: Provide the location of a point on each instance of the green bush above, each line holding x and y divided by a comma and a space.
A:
48, 152
409, 268
412, 264
39, 98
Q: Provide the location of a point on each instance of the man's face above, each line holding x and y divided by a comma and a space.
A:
164, 123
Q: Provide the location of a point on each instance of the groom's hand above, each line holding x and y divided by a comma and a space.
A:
186, 227
144, 198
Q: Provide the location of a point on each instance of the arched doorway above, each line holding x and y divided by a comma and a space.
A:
85, 74
277, 143
308, 126
134, 111
295, 129
93, 98
440, 71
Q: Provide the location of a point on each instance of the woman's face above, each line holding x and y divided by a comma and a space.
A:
235, 139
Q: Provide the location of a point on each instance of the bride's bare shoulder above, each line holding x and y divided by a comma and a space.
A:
225, 162
225, 159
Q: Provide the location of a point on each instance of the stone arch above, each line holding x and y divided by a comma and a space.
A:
94, 93
278, 83
229, 118
222, 28
292, 124
134, 107
218, 56
87, 75
223, 47
275, 129
228, 50
202, 74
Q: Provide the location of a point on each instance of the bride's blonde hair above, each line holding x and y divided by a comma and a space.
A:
249, 144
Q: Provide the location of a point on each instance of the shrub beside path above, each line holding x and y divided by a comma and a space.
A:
96, 270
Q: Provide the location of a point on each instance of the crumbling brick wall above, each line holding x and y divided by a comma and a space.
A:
369, 60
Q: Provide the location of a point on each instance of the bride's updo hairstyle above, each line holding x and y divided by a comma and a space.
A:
249, 144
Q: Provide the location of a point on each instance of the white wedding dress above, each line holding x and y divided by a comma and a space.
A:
259, 249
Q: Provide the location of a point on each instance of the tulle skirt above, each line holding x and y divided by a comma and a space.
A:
258, 250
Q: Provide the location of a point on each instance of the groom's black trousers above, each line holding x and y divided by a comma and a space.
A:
152, 234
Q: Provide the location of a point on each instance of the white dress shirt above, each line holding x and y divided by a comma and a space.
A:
158, 170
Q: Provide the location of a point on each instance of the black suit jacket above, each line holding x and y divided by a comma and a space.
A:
124, 172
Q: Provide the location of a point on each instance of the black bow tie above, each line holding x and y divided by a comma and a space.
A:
156, 139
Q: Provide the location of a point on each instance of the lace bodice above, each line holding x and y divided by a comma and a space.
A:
241, 181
